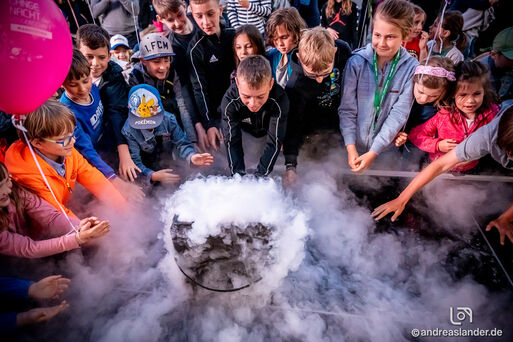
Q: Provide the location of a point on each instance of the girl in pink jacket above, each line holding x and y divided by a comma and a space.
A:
30, 227
471, 106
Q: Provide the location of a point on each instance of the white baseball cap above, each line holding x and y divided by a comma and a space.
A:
118, 40
155, 45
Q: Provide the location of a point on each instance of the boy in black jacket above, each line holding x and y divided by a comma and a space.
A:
211, 61
93, 42
314, 91
255, 104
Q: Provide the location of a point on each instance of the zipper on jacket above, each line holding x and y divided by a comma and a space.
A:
69, 187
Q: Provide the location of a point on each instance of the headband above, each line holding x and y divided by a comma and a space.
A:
435, 71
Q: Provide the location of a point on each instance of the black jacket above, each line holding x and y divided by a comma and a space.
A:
270, 121
312, 105
211, 63
114, 96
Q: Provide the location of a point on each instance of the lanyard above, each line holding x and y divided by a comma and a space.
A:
379, 96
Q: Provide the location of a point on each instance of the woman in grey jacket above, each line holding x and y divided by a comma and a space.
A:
378, 87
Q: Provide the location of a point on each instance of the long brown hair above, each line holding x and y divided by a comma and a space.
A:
254, 36
16, 197
288, 17
453, 21
345, 9
472, 72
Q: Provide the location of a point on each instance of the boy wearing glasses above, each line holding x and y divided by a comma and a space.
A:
314, 91
50, 132
256, 105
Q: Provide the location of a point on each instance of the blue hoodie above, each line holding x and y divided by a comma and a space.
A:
356, 110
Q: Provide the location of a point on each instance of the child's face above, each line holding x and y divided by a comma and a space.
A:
284, 40
56, 147
424, 95
386, 38
207, 16
418, 23
469, 97
98, 59
78, 90
435, 32
176, 22
244, 47
5, 191
501, 61
122, 53
254, 98
158, 67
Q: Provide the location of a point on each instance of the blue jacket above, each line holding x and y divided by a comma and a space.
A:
274, 57
90, 129
143, 140
356, 111
11, 290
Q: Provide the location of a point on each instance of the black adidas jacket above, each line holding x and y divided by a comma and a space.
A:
211, 63
270, 121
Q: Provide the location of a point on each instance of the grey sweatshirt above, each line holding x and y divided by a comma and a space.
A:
118, 15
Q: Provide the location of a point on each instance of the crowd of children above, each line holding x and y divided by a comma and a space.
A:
134, 108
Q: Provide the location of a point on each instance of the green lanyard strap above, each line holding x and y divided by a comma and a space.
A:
379, 96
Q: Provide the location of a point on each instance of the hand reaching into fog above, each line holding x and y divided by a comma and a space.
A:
91, 228
446, 145
289, 177
400, 139
48, 288
395, 206
128, 169
165, 176
203, 159
214, 136
130, 191
504, 227
40, 314
364, 161
202, 137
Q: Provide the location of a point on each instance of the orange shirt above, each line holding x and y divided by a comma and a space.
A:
21, 165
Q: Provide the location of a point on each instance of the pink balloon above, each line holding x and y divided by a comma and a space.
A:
35, 53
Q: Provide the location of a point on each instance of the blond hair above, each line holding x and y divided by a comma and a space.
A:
51, 119
317, 48
399, 13
164, 8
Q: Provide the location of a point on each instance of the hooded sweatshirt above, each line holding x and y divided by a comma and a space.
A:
356, 109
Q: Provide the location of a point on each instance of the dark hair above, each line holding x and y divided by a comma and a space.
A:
290, 18
92, 36
399, 13
473, 72
15, 196
453, 21
505, 131
254, 36
166, 7
79, 67
255, 70
50, 119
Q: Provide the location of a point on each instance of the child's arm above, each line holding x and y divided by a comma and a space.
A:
233, 136
135, 153
20, 246
262, 9
95, 182
232, 13
99, 7
131, 6
425, 136
348, 109
503, 225
396, 118
184, 147
84, 145
437, 167
127, 167
275, 136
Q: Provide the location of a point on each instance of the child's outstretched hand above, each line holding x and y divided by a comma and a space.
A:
400, 139
202, 137
40, 314
203, 159
364, 161
214, 135
395, 206
352, 155
48, 288
165, 176
504, 227
446, 145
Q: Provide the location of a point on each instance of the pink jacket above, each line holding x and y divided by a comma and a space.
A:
41, 220
440, 127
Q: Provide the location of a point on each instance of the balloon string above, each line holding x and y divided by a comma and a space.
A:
135, 24
18, 124
90, 10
